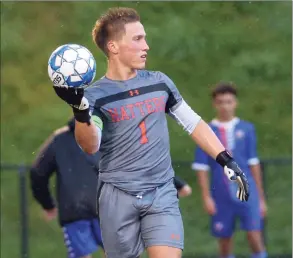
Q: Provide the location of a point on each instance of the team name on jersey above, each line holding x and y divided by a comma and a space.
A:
140, 108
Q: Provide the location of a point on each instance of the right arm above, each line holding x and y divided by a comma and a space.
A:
203, 181
201, 166
87, 136
88, 129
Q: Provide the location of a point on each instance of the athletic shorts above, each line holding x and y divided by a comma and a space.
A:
223, 223
129, 223
82, 237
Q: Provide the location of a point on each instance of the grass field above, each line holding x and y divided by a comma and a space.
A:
46, 238
195, 43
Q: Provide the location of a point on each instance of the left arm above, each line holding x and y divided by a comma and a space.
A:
254, 163
257, 175
202, 134
191, 122
207, 140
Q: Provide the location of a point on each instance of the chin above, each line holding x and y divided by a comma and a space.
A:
139, 66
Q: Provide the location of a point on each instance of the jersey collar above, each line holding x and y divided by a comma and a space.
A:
231, 123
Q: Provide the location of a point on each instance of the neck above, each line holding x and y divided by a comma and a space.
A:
225, 119
119, 72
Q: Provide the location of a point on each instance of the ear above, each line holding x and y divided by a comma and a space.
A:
112, 47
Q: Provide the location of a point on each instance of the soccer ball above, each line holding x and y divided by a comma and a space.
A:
72, 65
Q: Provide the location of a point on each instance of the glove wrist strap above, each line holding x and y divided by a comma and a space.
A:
82, 116
223, 158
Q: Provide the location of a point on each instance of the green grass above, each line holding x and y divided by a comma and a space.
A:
197, 44
46, 238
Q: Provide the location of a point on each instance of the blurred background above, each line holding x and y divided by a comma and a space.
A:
197, 44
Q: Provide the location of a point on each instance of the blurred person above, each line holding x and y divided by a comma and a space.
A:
76, 181
123, 116
238, 137
182, 187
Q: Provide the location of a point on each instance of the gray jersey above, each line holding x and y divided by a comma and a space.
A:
135, 149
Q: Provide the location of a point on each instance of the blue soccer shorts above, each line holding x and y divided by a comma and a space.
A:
223, 223
82, 237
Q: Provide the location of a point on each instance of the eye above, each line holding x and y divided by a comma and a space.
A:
137, 38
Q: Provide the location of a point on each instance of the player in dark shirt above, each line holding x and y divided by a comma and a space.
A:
123, 116
76, 181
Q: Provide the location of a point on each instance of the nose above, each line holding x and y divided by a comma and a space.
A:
146, 46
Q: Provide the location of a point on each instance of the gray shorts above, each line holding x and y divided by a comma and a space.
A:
129, 224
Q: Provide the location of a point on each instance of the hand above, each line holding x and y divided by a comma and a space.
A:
209, 205
72, 96
263, 208
50, 214
234, 173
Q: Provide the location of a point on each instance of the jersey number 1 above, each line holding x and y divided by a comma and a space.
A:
144, 139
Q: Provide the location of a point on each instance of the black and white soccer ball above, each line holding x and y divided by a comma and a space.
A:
72, 65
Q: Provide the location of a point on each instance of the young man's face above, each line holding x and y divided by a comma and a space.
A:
225, 105
132, 48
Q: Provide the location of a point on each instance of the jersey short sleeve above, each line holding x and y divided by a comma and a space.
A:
201, 160
175, 97
178, 109
252, 147
90, 97
94, 112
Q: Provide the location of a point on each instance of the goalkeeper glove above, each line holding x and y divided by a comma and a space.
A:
234, 173
75, 98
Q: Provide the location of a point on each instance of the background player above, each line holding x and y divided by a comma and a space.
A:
182, 187
123, 116
76, 180
238, 136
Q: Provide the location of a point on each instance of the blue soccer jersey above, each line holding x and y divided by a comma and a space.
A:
239, 139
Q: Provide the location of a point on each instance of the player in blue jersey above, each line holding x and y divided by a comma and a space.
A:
238, 137
123, 116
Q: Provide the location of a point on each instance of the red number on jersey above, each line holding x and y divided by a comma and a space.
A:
144, 138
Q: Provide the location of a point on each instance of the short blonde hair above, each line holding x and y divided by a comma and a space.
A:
111, 25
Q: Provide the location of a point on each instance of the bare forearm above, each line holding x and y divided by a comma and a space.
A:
203, 181
257, 175
207, 140
87, 137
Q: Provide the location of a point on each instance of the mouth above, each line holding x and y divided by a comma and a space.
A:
143, 56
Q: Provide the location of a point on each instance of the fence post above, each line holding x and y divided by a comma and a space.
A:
23, 212
264, 183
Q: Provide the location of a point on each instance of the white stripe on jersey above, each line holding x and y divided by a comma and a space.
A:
230, 136
229, 131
